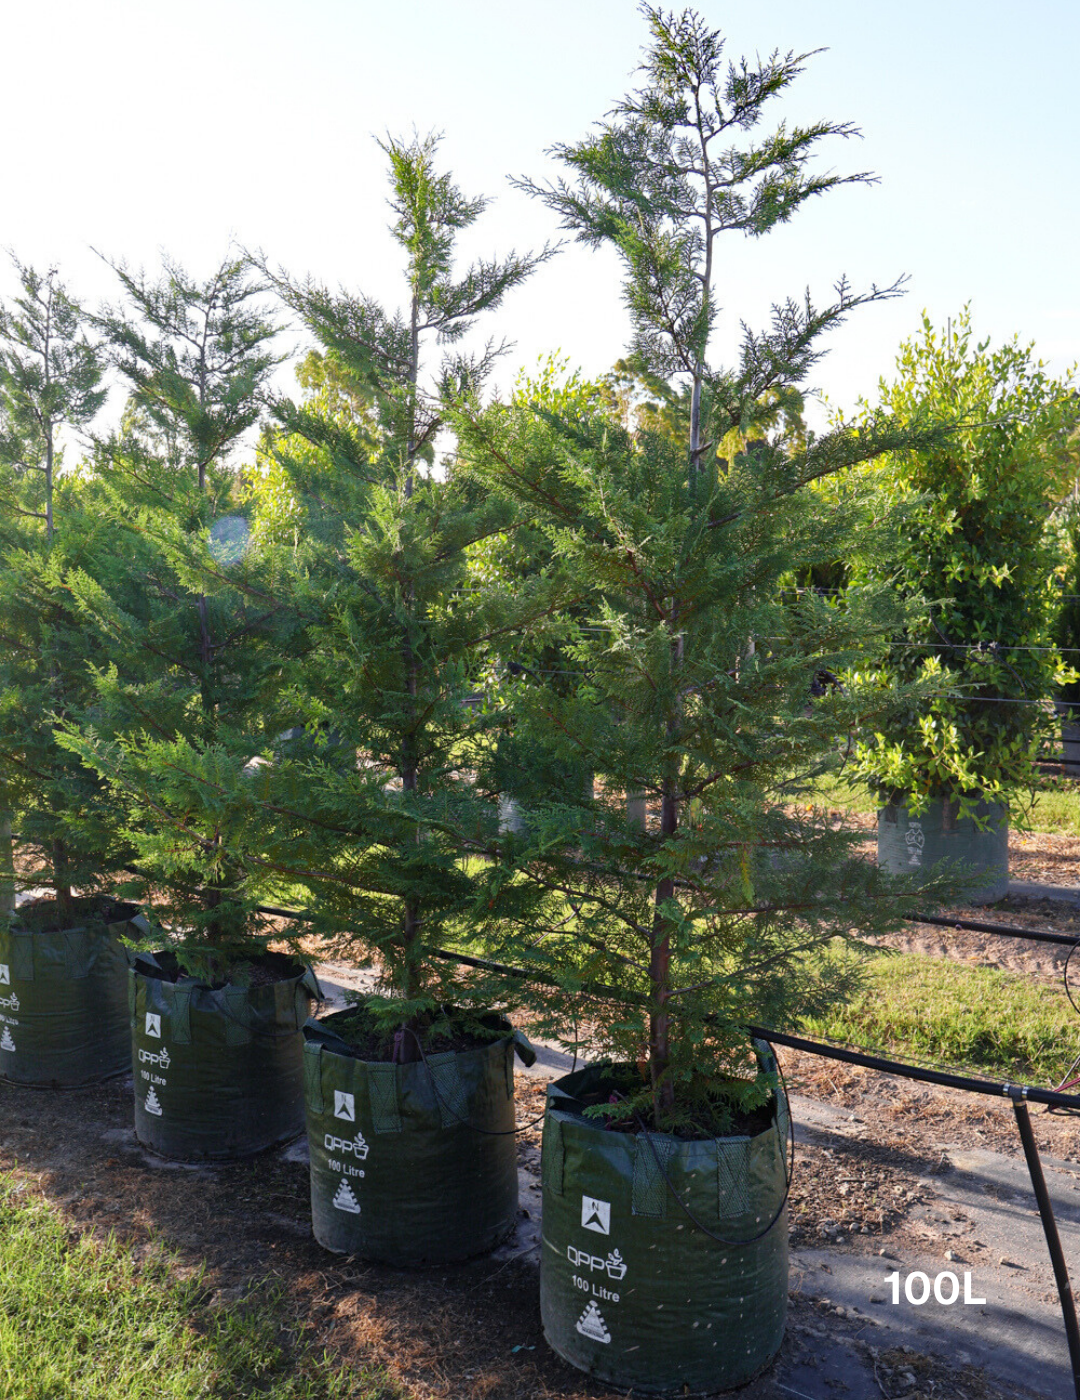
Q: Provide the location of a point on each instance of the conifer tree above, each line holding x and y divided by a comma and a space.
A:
50, 380
703, 685
188, 611
376, 806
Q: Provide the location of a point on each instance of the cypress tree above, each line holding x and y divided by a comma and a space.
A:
187, 611
357, 790
51, 375
705, 685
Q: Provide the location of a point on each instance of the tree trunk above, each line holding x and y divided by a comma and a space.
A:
49, 459
660, 954
660, 976
407, 1049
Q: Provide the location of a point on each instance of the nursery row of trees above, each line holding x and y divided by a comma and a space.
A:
543, 676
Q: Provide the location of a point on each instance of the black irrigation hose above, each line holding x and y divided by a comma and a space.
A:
1053, 1239
969, 1084
1065, 973
991, 1088
1003, 930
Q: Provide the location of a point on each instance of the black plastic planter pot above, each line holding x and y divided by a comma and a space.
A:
631, 1290
218, 1071
910, 845
63, 1001
412, 1164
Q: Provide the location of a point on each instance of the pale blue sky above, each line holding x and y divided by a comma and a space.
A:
132, 125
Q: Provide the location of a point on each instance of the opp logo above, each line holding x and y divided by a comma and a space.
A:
613, 1265
357, 1148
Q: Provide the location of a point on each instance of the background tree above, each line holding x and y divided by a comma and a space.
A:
698, 675
975, 543
189, 611
51, 376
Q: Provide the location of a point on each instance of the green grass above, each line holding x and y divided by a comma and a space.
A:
1056, 807
999, 1023
82, 1320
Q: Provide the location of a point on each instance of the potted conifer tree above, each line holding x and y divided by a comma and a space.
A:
195, 639
63, 969
975, 544
367, 799
664, 1255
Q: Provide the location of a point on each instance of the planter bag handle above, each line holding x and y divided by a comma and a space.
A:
236, 1005
170, 1000
178, 1005
766, 1058
319, 1033
139, 922
143, 961
304, 993
650, 1190
383, 1082
313, 1071
553, 1155
22, 956
733, 1175
382, 1079
450, 1092
523, 1048
80, 952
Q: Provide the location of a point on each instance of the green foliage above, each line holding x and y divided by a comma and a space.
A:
975, 545
83, 1320
186, 607
366, 796
196, 355
699, 684
50, 378
672, 170
1067, 623
718, 909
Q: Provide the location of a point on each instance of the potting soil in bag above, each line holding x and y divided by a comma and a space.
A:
631, 1291
411, 1163
63, 998
218, 1070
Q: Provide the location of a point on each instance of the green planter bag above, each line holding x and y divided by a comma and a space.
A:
63, 999
218, 1071
412, 1163
910, 845
631, 1290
